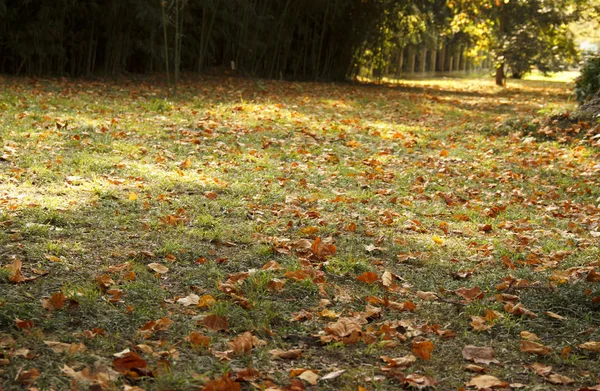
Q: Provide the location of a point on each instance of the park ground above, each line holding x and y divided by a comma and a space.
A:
254, 234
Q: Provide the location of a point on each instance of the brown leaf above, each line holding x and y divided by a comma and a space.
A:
479, 323
529, 336
400, 362
421, 382
241, 344
158, 268
216, 323
593, 346
555, 378
15, 268
470, 294
248, 375
519, 310
428, 296
191, 299
344, 327
199, 339
28, 377
310, 377
69, 348
56, 302
23, 324
479, 355
286, 354
540, 369
422, 349
368, 277
534, 347
225, 383
387, 278
486, 381
211, 195
475, 368
128, 362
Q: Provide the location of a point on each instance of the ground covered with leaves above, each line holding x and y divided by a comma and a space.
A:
288, 236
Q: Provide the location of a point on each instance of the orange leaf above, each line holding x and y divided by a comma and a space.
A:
225, 383
536, 348
206, 301
199, 339
216, 323
129, 361
56, 302
423, 349
241, 343
368, 277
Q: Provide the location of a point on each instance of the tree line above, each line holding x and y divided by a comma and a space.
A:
292, 39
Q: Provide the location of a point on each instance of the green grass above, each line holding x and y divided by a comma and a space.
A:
400, 178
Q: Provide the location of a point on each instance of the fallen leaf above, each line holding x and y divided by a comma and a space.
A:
199, 339
69, 348
555, 378
387, 279
475, 368
225, 383
529, 336
286, 354
333, 375
368, 277
56, 302
343, 327
554, 315
429, 296
400, 362
215, 322
486, 381
420, 381
479, 355
535, 348
128, 362
422, 349
191, 299
158, 268
206, 301
310, 377
28, 377
241, 344
593, 346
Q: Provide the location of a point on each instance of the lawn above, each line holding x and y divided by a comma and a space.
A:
254, 234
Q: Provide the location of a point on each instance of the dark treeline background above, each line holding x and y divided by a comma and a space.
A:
292, 39
314, 39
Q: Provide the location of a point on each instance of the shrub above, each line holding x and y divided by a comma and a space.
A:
588, 83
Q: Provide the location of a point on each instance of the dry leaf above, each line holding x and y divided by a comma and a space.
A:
225, 383
486, 381
479, 355
310, 377
534, 347
344, 327
286, 354
241, 344
368, 277
56, 302
191, 299
158, 268
128, 362
206, 301
400, 362
333, 375
593, 346
28, 377
199, 339
215, 323
555, 378
529, 336
475, 368
387, 278
429, 296
422, 349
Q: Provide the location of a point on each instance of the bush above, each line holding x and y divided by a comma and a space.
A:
588, 83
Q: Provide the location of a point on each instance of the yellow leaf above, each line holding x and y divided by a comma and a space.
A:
132, 196
438, 240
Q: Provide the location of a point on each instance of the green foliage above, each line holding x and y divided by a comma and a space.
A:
588, 83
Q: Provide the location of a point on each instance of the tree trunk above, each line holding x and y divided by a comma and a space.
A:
500, 75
